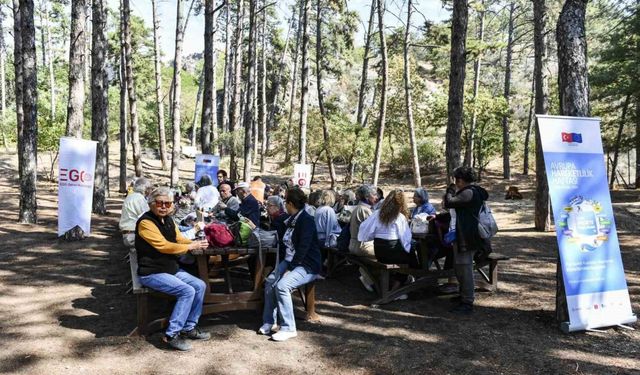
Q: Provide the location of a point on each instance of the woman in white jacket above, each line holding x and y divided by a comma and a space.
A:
389, 229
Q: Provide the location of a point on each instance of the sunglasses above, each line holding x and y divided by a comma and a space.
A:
166, 204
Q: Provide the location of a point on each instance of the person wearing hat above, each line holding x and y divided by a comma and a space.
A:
249, 206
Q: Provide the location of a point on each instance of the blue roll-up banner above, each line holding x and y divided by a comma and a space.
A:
597, 294
207, 164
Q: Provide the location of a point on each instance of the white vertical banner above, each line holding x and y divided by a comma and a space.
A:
302, 175
77, 163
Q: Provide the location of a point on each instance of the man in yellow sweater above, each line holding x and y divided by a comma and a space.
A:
159, 243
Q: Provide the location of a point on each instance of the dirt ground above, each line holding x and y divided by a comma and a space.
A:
64, 308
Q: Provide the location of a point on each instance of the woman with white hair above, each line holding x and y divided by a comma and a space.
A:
326, 220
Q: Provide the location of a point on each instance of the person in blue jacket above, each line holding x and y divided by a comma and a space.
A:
300, 266
249, 206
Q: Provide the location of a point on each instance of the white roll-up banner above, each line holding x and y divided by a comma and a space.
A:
77, 163
592, 270
302, 175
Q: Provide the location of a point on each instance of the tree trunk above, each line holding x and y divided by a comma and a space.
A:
254, 98
573, 89
3, 83
194, 121
47, 57
477, 64
541, 216
131, 89
208, 111
75, 106
637, 184
100, 105
616, 146
527, 137
456, 84
28, 151
362, 93
123, 106
506, 167
294, 81
323, 111
227, 73
19, 81
304, 97
263, 93
417, 181
236, 99
383, 93
158, 78
249, 112
177, 92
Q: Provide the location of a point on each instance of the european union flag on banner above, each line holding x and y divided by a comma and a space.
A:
572, 137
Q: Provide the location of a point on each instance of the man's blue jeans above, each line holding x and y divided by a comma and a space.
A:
277, 294
189, 293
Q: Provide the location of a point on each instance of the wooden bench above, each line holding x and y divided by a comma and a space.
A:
144, 325
380, 273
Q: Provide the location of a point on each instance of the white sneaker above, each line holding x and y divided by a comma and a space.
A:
366, 285
284, 335
267, 329
401, 297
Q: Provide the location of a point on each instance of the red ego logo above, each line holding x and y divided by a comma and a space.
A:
302, 182
74, 175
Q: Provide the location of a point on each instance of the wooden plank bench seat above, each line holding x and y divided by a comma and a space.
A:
380, 273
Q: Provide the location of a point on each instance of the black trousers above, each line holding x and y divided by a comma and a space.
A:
392, 252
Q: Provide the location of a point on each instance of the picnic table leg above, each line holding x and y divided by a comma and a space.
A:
310, 301
384, 284
493, 272
227, 276
203, 270
142, 315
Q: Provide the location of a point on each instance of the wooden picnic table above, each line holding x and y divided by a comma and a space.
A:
231, 300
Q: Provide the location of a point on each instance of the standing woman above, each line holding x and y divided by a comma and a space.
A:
159, 244
300, 266
467, 199
389, 229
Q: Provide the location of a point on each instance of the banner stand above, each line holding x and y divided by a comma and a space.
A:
567, 327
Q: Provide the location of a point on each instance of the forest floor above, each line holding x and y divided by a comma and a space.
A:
64, 307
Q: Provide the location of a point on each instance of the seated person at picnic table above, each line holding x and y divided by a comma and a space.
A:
421, 200
389, 229
207, 196
158, 245
223, 179
277, 215
249, 206
467, 199
300, 266
257, 188
326, 220
227, 200
184, 202
367, 197
134, 205
344, 207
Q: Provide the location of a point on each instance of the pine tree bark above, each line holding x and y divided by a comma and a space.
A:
573, 89
304, 97
456, 84
194, 120
362, 94
28, 151
208, 111
236, 98
227, 81
637, 185
19, 81
177, 93
383, 92
477, 64
124, 137
294, 82
249, 111
100, 105
75, 106
506, 167
131, 90
616, 146
158, 81
3, 83
527, 137
263, 93
408, 98
541, 216
323, 111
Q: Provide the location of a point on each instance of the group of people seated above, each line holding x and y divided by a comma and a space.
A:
362, 222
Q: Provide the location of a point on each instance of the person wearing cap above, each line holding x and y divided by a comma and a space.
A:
249, 206
132, 208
